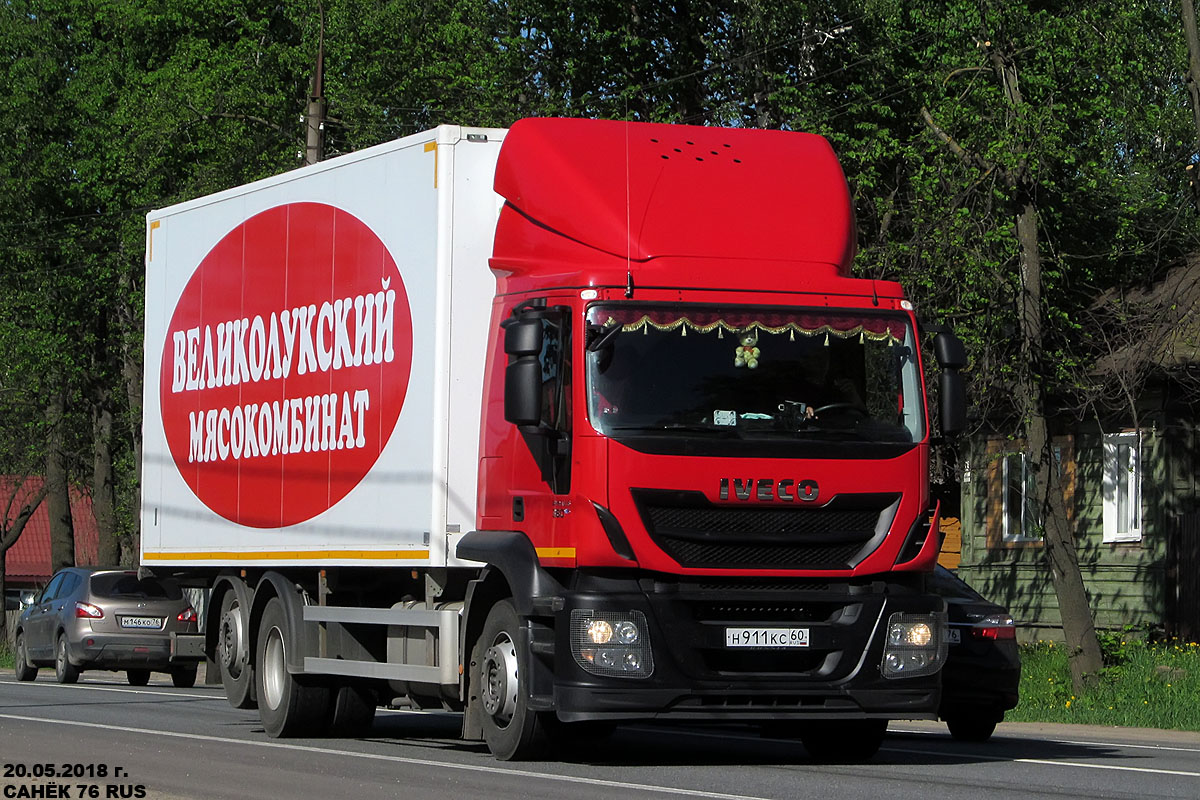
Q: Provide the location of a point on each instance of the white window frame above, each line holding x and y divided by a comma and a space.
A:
1009, 535
1122, 486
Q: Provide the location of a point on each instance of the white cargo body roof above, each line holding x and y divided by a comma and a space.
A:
314, 360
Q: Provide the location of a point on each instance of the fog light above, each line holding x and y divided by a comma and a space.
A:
915, 646
611, 643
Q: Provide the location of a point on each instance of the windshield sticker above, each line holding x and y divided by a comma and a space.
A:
724, 418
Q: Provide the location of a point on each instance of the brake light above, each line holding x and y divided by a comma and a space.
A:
996, 628
88, 611
187, 615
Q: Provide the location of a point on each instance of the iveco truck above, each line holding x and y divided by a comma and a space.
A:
560, 426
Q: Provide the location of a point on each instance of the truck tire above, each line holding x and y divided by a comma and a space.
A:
288, 704
64, 670
21, 666
233, 643
137, 677
511, 730
351, 710
843, 741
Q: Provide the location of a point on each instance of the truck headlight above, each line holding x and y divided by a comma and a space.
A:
915, 645
611, 643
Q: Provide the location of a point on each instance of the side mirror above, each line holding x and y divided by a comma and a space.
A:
522, 336
953, 403
951, 356
523, 375
949, 351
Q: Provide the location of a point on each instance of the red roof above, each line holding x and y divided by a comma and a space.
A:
28, 561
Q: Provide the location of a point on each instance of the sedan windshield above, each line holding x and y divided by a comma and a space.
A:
749, 373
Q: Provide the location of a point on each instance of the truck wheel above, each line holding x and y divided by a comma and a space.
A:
288, 704
233, 649
24, 670
64, 670
137, 677
971, 728
351, 710
843, 741
511, 730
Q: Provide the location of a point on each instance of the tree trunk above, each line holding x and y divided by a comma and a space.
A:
58, 498
1083, 648
104, 501
1193, 73
3, 605
10, 531
131, 372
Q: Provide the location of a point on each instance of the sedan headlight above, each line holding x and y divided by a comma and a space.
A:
611, 643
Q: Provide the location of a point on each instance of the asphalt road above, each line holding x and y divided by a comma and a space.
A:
102, 738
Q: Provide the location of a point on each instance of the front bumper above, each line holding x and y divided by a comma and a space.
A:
975, 688
696, 677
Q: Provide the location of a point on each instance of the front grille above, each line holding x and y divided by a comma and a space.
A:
697, 533
747, 585
758, 522
761, 613
765, 556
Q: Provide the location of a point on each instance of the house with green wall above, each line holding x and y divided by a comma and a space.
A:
1131, 488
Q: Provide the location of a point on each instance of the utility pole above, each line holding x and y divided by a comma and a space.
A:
314, 117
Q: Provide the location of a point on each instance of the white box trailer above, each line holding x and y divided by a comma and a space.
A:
275, 369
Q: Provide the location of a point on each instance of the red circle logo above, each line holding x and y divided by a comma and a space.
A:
285, 365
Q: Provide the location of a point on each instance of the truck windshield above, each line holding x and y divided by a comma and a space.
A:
753, 372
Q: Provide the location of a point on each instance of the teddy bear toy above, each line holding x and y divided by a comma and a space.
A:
746, 354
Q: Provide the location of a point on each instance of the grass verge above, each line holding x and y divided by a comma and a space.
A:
1145, 684
6, 655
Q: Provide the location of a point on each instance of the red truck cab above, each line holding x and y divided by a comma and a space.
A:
704, 452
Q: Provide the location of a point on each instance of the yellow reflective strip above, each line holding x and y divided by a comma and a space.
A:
431, 147
153, 227
310, 555
556, 552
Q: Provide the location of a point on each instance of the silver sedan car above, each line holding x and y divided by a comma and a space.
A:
108, 619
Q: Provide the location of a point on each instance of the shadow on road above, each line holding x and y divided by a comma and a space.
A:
660, 745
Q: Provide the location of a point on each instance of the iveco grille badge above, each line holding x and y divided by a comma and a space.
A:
769, 489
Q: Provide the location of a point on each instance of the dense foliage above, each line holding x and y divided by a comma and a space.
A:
114, 107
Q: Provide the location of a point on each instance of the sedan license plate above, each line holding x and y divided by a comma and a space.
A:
141, 622
766, 638
954, 636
